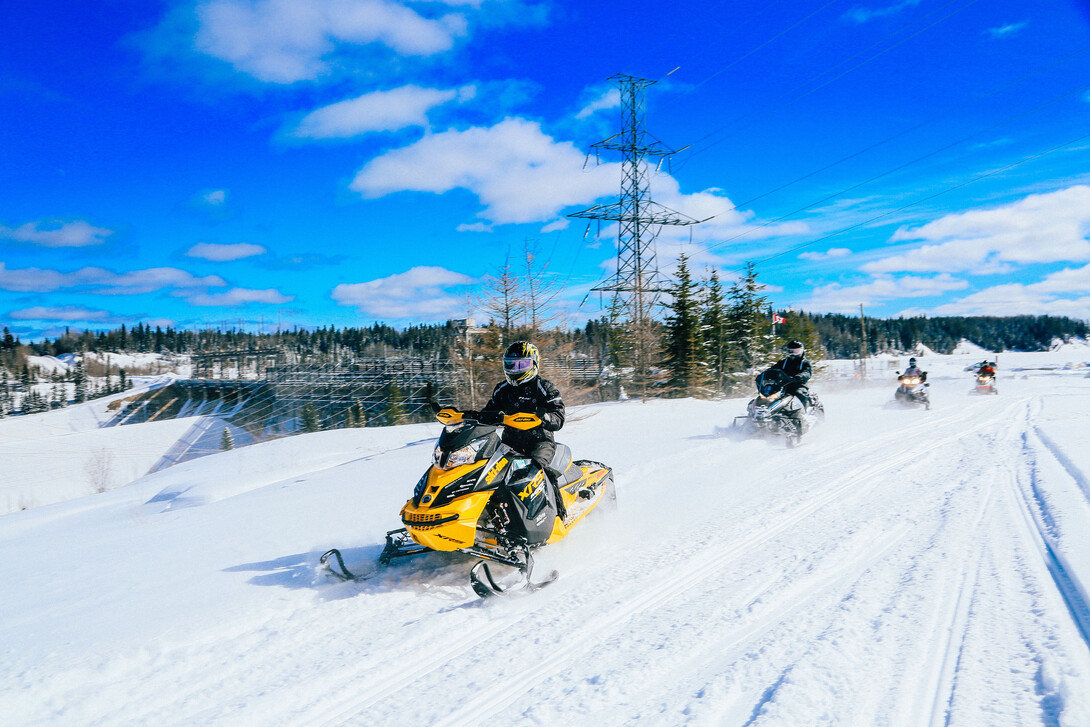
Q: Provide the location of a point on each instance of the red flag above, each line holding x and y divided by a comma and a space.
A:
778, 319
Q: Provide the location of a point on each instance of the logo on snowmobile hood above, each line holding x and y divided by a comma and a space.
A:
496, 469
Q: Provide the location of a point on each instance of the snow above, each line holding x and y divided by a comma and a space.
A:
968, 347
901, 567
50, 364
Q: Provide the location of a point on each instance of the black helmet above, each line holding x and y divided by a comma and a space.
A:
520, 362
794, 349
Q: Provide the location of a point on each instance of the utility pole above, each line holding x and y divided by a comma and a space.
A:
863, 355
637, 284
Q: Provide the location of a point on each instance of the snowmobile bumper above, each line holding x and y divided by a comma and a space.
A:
452, 526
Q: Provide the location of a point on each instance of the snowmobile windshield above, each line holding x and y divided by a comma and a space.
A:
771, 381
456, 436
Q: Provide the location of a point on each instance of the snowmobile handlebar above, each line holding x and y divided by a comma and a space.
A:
518, 420
522, 421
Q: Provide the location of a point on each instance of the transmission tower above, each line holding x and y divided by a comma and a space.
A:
637, 283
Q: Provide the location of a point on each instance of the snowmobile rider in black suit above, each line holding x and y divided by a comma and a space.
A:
524, 391
914, 370
796, 366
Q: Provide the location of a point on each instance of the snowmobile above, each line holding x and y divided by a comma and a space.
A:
985, 384
912, 390
482, 498
775, 412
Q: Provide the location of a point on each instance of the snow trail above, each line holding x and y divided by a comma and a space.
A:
900, 568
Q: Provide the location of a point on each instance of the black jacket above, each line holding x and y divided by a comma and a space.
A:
797, 367
536, 396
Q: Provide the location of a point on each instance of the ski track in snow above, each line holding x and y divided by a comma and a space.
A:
900, 568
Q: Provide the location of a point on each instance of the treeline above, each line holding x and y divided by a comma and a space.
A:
713, 340
435, 340
842, 336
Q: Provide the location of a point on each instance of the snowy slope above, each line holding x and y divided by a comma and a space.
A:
902, 567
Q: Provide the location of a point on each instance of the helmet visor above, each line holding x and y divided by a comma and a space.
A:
795, 351
517, 365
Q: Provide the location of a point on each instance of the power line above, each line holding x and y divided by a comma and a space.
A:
921, 201
791, 99
898, 168
917, 127
741, 58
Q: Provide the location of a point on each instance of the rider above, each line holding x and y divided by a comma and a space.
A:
914, 370
526, 392
986, 369
798, 367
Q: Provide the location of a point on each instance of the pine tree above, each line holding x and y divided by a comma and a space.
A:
801, 328
359, 416
395, 407
80, 379
714, 330
227, 442
310, 418
748, 327
682, 340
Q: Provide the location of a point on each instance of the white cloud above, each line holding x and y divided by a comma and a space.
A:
561, 224
519, 173
1045, 297
422, 292
611, 99
832, 252
378, 111
102, 281
57, 234
240, 296
1040, 228
1004, 31
836, 297
284, 41
224, 253
63, 313
864, 15
474, 227
215, 198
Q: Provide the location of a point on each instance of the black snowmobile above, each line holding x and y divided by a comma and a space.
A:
775, 412
913, 390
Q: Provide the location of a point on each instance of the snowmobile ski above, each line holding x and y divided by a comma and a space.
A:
340, 571
487, 586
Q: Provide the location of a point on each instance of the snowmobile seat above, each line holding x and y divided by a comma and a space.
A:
562, 467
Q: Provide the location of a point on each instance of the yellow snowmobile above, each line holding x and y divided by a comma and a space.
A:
483, 498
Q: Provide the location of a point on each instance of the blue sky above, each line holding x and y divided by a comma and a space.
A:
254, 163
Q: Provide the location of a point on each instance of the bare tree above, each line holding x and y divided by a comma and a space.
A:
503, 299
541, 290
99, 470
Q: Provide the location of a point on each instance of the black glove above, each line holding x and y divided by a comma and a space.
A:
490, 417
540, 412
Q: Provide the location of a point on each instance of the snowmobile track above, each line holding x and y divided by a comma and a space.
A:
1035, 515
955, 627
856, 484
588, 637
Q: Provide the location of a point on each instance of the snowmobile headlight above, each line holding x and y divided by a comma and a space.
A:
461, 456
